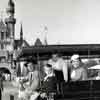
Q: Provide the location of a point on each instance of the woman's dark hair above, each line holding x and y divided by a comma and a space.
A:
56, 53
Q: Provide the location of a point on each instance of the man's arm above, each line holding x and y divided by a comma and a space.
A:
35, 82
24, 79
84, 74
65, 71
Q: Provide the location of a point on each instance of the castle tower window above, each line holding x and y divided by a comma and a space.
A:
2, 35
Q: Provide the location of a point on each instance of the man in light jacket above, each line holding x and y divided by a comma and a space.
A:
60, 68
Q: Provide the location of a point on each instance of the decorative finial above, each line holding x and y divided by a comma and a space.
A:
11, 7
11, 3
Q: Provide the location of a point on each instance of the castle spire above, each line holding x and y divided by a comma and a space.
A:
21, 33
10, 22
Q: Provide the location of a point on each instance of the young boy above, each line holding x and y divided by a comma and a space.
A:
49, 83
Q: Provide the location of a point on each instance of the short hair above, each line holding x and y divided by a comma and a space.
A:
56, 52
49, 65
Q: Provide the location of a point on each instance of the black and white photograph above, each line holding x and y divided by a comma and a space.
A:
49, 50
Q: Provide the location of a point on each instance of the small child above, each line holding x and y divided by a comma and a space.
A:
49, 82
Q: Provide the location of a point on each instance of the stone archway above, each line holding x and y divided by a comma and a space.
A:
6, 73
5, 70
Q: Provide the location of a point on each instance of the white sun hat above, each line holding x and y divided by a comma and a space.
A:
75, 57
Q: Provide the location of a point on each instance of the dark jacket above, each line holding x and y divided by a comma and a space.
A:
49, 85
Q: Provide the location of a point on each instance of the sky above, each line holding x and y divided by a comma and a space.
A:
68, 21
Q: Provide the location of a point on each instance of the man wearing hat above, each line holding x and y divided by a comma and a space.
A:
29, 84
78, 70
59, 66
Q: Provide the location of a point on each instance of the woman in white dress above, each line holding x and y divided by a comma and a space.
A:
78, 72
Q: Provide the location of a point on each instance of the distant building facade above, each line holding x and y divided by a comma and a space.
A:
38, 42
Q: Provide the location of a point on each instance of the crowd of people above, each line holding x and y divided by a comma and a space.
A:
56, 70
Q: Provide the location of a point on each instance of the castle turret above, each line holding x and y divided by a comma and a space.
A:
10, 22
11, 8
21, 34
